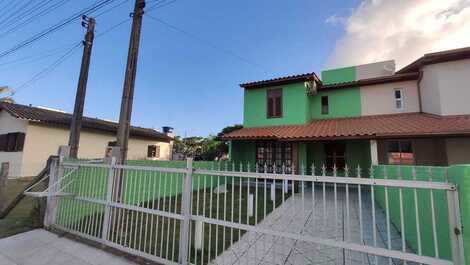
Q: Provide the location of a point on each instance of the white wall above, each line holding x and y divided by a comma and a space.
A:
458, 150
9, 124
380, 99
42, 141
445, 88
377, 69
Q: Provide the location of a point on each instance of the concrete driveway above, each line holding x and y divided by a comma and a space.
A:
296, 216
40, 247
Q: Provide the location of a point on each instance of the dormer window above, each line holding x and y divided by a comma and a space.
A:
274, 104
398, 93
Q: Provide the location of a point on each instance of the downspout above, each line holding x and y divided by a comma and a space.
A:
420, 77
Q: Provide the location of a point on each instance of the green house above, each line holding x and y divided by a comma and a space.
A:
353, 116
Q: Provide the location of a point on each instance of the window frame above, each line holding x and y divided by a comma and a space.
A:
322, 106
12, 142
401, 159
274, 112
155, 153
401, 99
269, 153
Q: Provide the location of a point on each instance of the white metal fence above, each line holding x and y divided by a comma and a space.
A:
229, 216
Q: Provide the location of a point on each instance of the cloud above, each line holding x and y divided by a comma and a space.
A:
400, 29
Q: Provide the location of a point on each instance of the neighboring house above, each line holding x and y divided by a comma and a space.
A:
360, 115
29, 135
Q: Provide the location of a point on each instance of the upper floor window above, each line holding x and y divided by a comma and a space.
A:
12, 142
399, 96
324, 105
153, 151
274, 103
400, 152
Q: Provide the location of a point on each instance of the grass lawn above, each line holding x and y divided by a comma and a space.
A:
159, 236
22, 218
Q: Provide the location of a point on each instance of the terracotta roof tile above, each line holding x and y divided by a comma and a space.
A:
378, 126
47, 116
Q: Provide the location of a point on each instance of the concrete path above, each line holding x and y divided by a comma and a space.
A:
40, 247
296, 216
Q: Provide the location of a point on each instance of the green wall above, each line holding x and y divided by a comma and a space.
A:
243, 152
424, 205
294, 110
338, 75
342, 103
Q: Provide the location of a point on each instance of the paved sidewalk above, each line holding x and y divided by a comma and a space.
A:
40, 247
296, 216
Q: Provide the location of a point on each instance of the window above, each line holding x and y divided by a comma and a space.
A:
398, 93
112, 143
400, 152
274, 153
324, 105
153, 151
12, 142
274, 103
335, 155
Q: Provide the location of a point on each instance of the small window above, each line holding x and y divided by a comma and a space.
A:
153, 151
274, 103
12, 142
400, 152
398, 93
324, 105
112, 143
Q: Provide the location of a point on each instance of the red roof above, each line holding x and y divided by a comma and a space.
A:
369, 127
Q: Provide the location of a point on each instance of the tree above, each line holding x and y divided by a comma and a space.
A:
3, 97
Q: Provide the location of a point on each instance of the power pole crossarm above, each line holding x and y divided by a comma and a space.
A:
129, 80
76, 125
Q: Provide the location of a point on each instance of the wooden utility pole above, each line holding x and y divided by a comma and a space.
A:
74, 139
129, 80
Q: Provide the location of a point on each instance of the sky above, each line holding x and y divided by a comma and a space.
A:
194, 54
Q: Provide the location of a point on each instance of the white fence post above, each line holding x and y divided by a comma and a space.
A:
56, 171
111, 158
186, 212
455, 227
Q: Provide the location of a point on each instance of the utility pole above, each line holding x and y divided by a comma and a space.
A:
129, 80
76, 125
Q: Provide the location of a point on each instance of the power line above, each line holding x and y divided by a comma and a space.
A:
89, 10
195, 37
47, 70
35, 14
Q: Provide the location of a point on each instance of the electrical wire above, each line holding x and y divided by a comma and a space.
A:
46, 70
89, 10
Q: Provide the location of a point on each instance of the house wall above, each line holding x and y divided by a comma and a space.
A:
9, 124
380, 99
341, 102
458, 150
243, 152
294, 106
42, 141
445, 88
372, 70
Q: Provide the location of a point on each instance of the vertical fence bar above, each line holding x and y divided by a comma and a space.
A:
109, 189
186, 212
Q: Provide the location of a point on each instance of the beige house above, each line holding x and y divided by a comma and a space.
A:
29, 135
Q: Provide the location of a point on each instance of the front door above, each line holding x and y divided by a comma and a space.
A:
335, 155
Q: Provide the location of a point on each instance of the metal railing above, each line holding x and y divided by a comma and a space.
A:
230, 216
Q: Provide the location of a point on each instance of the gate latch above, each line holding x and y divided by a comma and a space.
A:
457, 231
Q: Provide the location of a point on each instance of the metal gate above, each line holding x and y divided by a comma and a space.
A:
229, 216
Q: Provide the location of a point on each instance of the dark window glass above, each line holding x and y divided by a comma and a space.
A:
112, 143
153, 151
12, 142
335, 155
400, 152
274, 103
324, 105
274, 154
